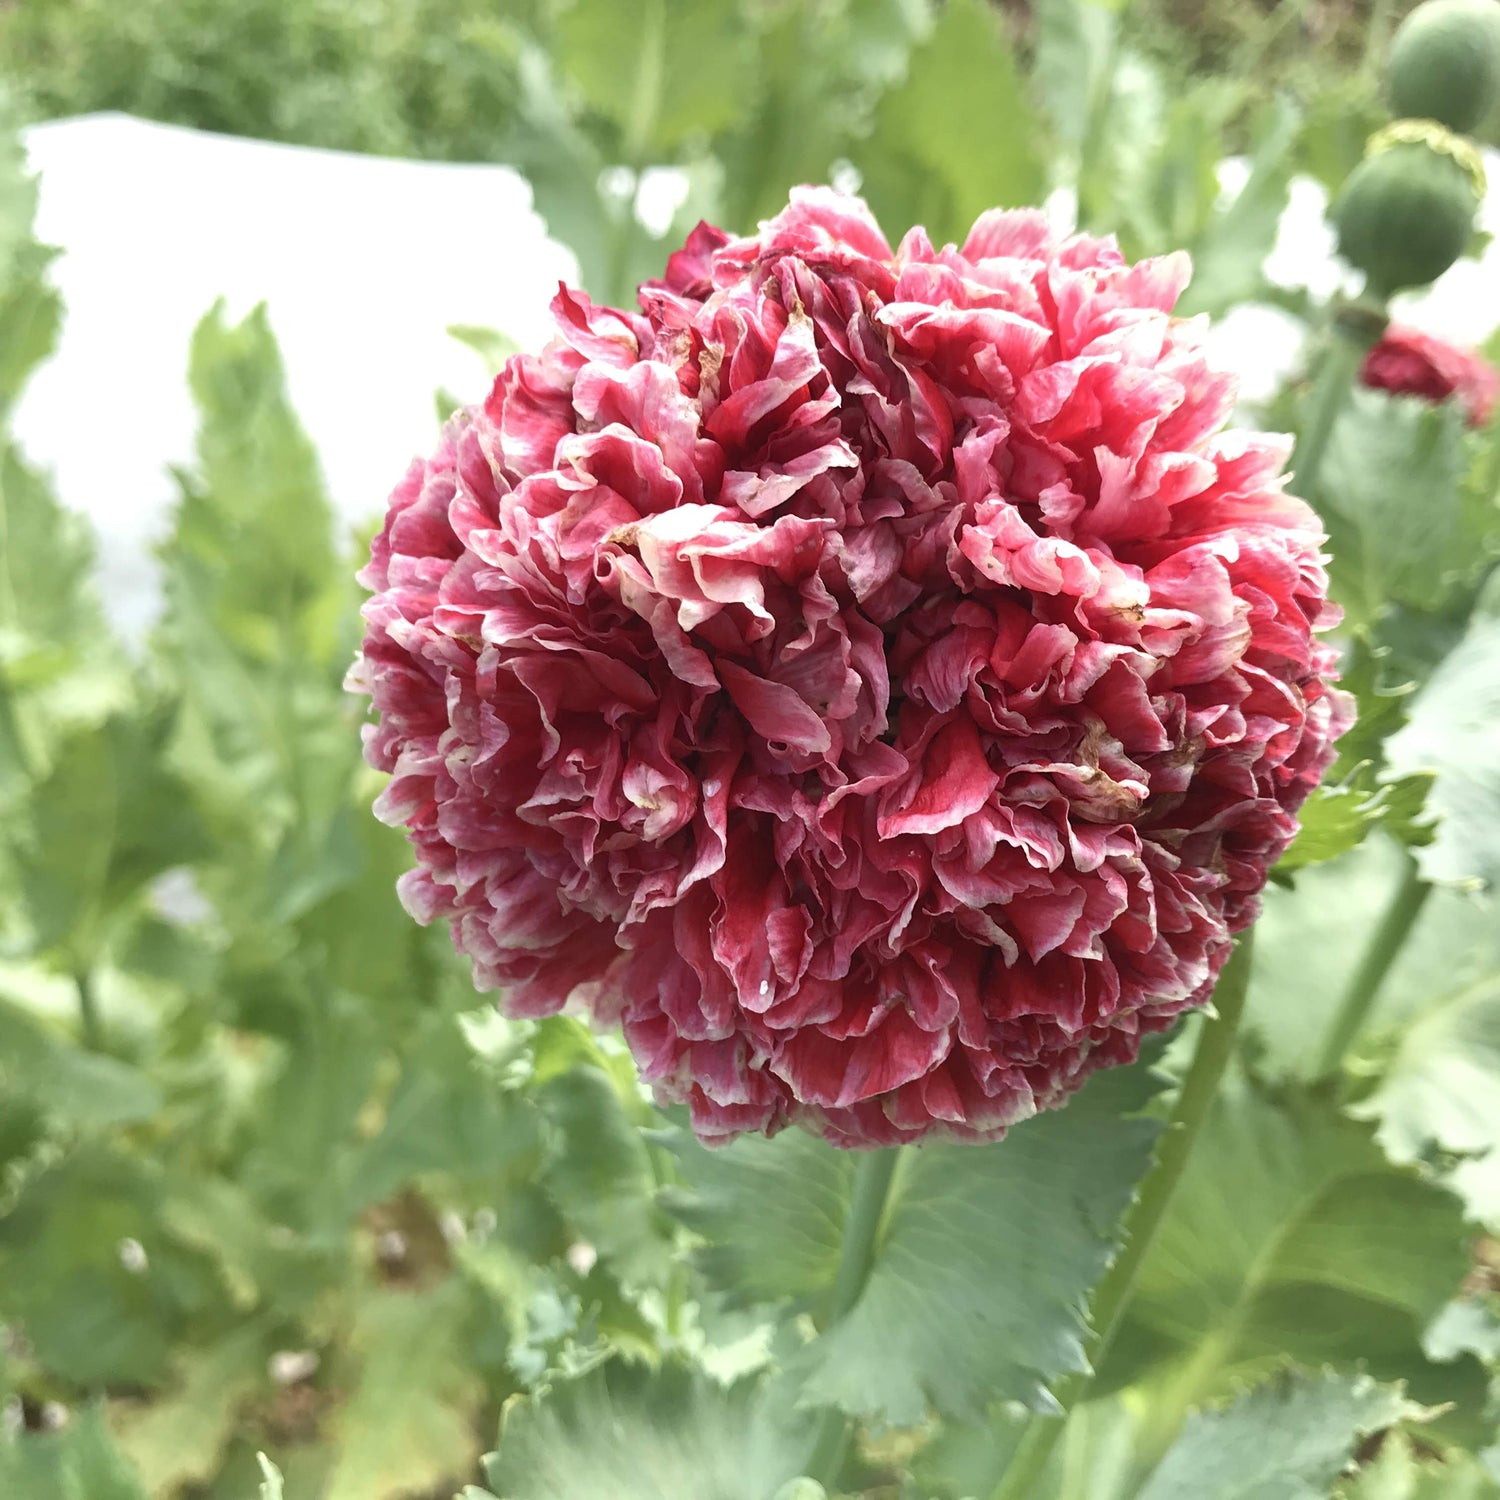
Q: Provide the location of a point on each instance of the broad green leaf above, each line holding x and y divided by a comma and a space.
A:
1093, 1459
79, 1462
30, 320
636, 1434
64, 865
255, 515
658, 70
94, 1315
446, 1114
564, 167
46, 611
983, 1268
1310, 940
1382, 696
70, 1084
1229, 254
1288, 1439
600, 1176
1290, 1236
409, 1420
957, 136
260, 623
1453, 733
1439, 1099
307, 1146
1075, 51
180, 1438
1389, 491
18, 191
107, 818
771, 1213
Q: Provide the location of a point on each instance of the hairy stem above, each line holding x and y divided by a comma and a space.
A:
1112, 1296
1364, 985
872, 1186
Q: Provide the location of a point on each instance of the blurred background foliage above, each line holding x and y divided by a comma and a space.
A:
272, 1176
941, 110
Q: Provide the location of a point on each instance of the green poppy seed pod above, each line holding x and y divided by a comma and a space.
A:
1445, 63
1407, 211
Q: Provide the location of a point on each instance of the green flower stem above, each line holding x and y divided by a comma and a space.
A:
89, 1024
1112, 1296
1353, 329
1395, 925
645, 110
872, 1187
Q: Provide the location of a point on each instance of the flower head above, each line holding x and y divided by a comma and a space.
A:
870, 676
1412, 363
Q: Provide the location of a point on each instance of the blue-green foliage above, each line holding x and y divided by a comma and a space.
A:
274, 1180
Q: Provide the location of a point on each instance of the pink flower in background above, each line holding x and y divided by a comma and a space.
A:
870, 676
1412, 363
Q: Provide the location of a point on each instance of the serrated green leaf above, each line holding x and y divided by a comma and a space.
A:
1310, 940
1334, 820
30, 321
1290, 1236
638, 1434
1439, 1099
1453, 733
600, 1176
179, 1438
408, 1422
255, 513
1397, 1473
771, 1212
446, 1114
18, 191
1288, 1439
46, 554
261, 617
957, 136
1390, 494
77, 1463
983, 1268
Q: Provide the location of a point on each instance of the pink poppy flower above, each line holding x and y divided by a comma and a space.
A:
872, 677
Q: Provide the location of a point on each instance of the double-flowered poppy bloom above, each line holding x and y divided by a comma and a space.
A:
872, 677
1408, 362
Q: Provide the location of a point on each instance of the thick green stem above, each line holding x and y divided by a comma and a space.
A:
1112, 1297
1395, 925
872, 1186
1354, 328
89, 1024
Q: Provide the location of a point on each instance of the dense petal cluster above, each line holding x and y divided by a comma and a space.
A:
1412, 363
872, 677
